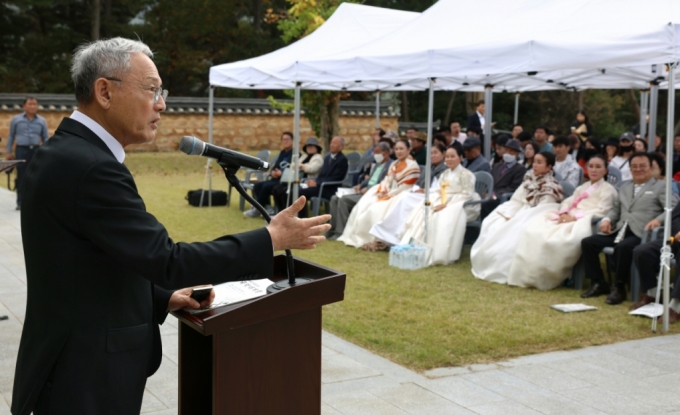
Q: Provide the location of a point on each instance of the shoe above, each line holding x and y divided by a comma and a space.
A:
252, 213
644, 300
596, 290
270, 210
617, 296
334, 237
329, 234
672, 317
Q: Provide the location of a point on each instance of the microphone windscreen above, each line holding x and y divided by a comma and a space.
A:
191, 146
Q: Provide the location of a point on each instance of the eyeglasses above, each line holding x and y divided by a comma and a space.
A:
158, 91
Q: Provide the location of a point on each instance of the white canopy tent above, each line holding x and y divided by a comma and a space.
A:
521, 46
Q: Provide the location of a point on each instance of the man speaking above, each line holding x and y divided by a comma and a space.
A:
101, 271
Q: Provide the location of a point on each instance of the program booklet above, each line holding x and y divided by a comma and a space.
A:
650, 310
235, 292
344, 191
572, 308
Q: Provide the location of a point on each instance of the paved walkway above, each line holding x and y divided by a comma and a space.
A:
636, 377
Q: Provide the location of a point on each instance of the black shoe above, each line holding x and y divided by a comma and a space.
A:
617, 296
329, 233
596, 290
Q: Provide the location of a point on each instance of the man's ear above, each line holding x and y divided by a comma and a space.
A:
102, 92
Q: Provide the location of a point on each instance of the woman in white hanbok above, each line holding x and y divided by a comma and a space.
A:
539, 193
551, 245
379, 200
391, 228
446, 223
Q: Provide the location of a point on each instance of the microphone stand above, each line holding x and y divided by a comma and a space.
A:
230, 169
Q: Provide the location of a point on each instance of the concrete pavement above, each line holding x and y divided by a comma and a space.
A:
635, 377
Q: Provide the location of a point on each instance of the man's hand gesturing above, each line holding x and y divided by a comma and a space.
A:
290, 232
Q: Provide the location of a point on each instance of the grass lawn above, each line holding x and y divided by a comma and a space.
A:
435, 317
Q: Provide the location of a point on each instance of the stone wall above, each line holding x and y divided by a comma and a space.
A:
239, 132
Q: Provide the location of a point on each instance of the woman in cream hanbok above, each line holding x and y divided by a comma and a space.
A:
379, 200
539, 193
446, 223
391, 228
551, 244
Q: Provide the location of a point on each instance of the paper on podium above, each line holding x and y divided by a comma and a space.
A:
235, 292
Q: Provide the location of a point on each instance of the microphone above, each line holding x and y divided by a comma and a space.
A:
195, 147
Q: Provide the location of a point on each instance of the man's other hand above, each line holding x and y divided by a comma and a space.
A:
290, 232
606, 227
9, 156
653, 224
182, 298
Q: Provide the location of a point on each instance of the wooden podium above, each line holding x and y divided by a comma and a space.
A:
261, 356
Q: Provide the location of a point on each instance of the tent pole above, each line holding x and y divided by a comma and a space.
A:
211, 100
516, 108
428, 146
666, 250
488, 109
296, 142
653, 108
644, 102
377, 109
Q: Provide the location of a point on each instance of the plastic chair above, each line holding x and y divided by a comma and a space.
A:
263, 155
614, 176
580, 176
354, 166
484, 188
567, 189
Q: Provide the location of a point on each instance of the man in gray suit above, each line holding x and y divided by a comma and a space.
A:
342, 206
639, 208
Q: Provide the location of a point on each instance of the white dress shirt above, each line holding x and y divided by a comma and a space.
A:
481, 119
113, 144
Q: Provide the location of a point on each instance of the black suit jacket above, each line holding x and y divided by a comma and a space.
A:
509, 181
99, 271
474, 121
334, 170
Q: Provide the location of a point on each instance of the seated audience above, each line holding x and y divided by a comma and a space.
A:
474, 132
647, 258
440, 139
447, 216
551, 244
638, 208
516, 131
494, 250
340, 207
310, 166
419, 149
334, 169
659, 168
262, 191
474, 160
611, 149
565, 166
575, 147
541, 135
390, 229
640, 146
622, 159
524, 139
498, 146
530, 150
507, 176
379, 200
367, 158
456, 134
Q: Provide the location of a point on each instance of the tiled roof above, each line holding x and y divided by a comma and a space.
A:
67, 102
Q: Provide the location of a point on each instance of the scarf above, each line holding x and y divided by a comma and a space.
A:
543, 185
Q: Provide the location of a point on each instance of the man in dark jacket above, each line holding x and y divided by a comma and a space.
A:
647, 259
263, 190
102, 271
507, 176
334, 169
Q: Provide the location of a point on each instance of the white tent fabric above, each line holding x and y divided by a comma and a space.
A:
350, 26
555, 36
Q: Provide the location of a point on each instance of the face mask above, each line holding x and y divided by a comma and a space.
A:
378, 158
508, 158
626, 149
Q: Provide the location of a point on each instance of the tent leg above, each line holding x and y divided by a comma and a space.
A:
653, 108
377, 109
488, 101
644, 110
516, 108
428, 146
211, 100
296, 141
670, 126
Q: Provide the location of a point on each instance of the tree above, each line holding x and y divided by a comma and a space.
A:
322, 108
